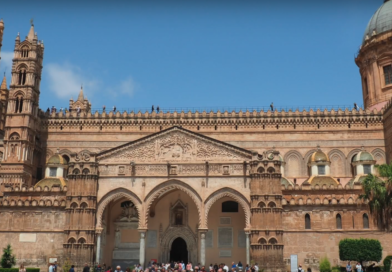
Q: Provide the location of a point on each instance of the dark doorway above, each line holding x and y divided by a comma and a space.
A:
179, 251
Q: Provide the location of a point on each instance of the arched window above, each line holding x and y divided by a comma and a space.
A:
82, 241
76, 172
271, 205
271, 170
260, 170
261, 204
365, 221
307, 221
229, 206
262, 241
14, 136
83, 205
22, 76
86, 171
272, 241
25, 52
71, 241
338, 221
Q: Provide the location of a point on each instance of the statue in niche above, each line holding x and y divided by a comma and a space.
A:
129, 213
178, 218
117, 238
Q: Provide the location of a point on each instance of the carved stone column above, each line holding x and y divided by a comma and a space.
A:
142, 255
247, 233
98, 253
203, 247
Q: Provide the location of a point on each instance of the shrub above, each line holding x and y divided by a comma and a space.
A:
9, 269
66, 265
7, 260
325, 265
387, 263
362, 250
32, 269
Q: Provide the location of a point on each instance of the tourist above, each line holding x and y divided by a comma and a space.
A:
152, 109
358, 267
257, 267
239, 266
233, 266
348, 267
86, 268
225, 268
188, 267
72, 269
216, 267
247, 268
300, 268
109, 269
22, 268
118, 269
157, 109
51, 268
55, 263
128, 270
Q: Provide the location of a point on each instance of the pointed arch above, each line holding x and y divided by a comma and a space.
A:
227, 192
294, 164
115, 195
379, 155
170, 185
339, 163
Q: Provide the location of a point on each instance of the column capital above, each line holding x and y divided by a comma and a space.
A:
202, 230
142, 230
98, 231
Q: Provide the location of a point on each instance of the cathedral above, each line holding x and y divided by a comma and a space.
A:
123, 188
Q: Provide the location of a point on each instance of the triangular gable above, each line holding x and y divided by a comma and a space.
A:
174, 144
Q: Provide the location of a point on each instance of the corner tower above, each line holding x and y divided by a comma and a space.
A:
21, 139
375, 58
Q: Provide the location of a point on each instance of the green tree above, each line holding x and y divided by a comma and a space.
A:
387, 263
66, 265
325, 265
7, 260
360, 250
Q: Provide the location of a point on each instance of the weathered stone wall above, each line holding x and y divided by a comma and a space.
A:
311, 246
33, 249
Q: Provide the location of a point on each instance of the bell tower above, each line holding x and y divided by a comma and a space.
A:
22, 139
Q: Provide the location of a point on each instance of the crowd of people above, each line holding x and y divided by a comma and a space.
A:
178, 266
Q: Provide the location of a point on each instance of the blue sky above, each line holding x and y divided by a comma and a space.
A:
133, 54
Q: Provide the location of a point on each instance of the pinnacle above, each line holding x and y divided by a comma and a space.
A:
81, 96
31, 34
4, 84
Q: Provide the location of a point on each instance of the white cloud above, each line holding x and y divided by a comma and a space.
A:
6, 62
126, 87
65, 80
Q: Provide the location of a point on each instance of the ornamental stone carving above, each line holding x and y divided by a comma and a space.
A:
175, 144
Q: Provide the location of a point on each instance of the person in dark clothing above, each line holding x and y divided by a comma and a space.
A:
152, 109
157, 109
86, 268
72, 268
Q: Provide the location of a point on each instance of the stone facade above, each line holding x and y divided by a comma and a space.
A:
125, 187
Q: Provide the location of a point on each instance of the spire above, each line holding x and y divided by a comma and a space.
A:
81, 96
31, 34
4, 84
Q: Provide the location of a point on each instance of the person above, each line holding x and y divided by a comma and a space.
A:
72, 269
51, 268
216, 267
358, 267
157, 109
103, 108
118, 269
152, 109
300, 268
239, 266
188, 267
109, 269
114, 109
128, 270
257, 267
348, 267
22, 268
86, 268
55, 263
226, 268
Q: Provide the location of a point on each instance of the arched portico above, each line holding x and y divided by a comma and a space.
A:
113, 196
168, 186
173, 233
227, 228
227, 192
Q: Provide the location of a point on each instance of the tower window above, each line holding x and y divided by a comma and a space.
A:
338, 221
22, 77
388, 74
367, 169
365, 86
365, 221
321, 169
307, 221
52, 171
229, 206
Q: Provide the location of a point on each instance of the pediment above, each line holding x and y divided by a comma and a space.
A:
174, 145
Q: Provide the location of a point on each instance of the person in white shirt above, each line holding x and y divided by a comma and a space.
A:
226, 268
358, 267
256, 267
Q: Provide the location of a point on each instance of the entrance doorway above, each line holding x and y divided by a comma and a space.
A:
179, 251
